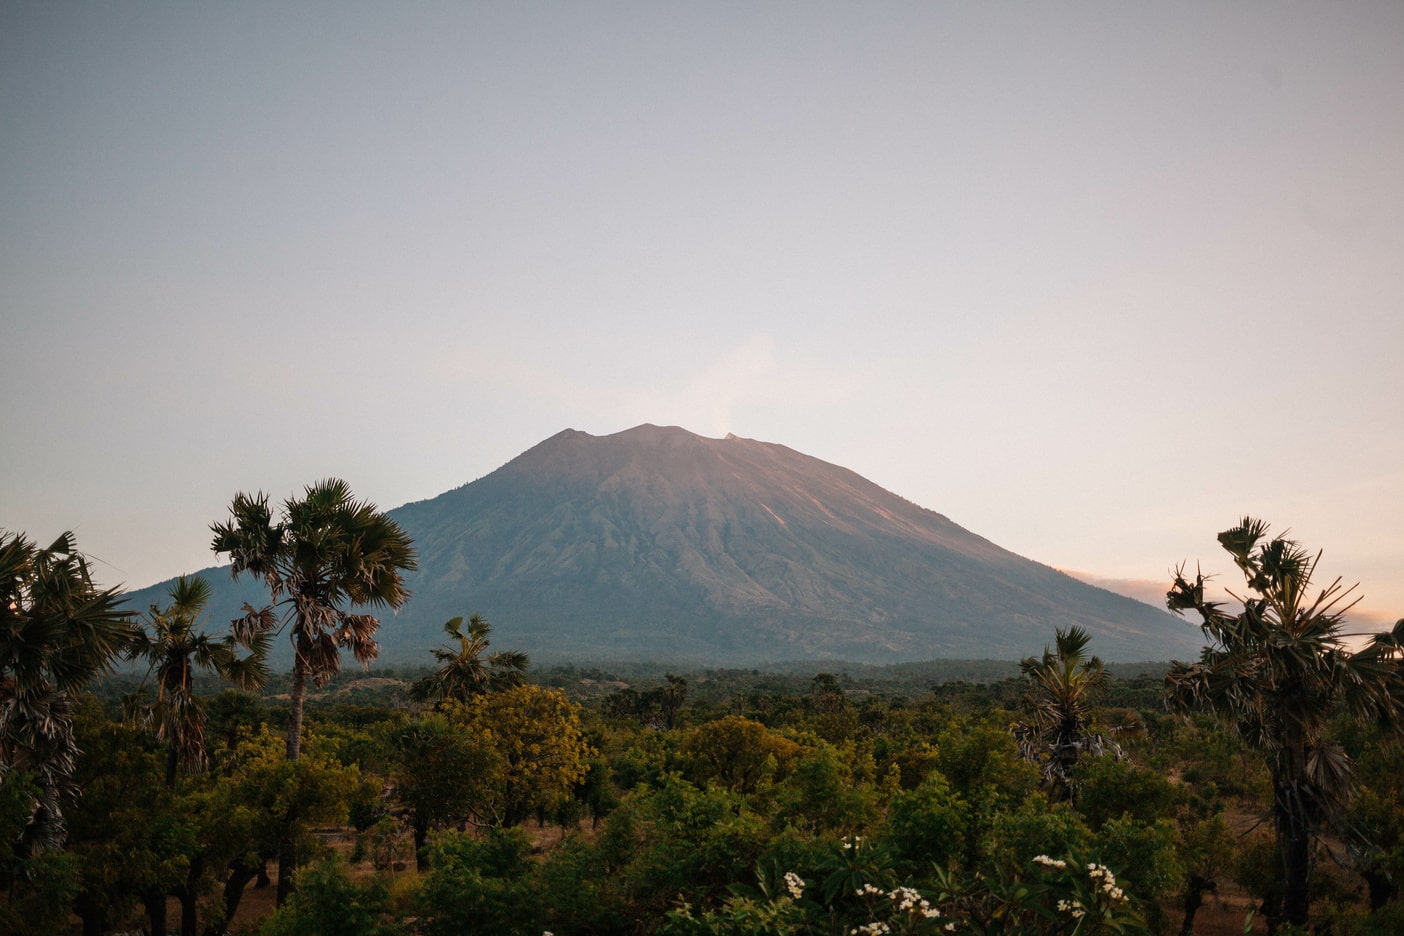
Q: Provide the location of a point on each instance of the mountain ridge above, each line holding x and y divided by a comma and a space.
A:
658, 543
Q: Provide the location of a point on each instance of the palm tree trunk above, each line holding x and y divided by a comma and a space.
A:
1296, 861
296, 694
1293, 830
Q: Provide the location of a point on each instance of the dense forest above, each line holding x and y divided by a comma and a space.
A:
1259, 788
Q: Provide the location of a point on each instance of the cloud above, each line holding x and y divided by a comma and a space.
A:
1361, 618
1150, 591
757, 373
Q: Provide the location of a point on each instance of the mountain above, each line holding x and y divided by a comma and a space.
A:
658, 544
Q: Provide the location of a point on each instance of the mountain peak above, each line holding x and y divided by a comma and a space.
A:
661, 542
655, 543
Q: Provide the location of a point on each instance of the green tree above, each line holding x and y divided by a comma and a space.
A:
439, 768
36, 891
1278, 672
329, 903
1207, 848
821, 794
1063, 690
485, 885
174, 644
536, 737
127, 832
679, 842
659, 707
327, 554
1376, 816
57, 631
469, 669
276, 801
670, 699
927, 825
1107, 788
737, 753
1035, 826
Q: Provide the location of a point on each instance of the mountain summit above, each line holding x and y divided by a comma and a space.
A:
655, 543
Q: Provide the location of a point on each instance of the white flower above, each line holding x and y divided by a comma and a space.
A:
909, 900
1096, 871
794, 884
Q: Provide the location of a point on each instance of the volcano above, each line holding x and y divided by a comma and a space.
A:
656, 544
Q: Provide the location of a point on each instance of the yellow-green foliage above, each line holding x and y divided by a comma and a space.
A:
740, 754
539, 742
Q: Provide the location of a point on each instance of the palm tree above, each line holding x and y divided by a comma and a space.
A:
326, 554
1064, 687
469, 669
57, 631
174, 644
1278, 673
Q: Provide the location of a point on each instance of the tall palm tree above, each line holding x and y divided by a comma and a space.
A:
175, 644
1278, 673
57, 631
1064, 687
326, 554
468, 669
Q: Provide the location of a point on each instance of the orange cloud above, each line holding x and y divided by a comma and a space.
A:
1362, 617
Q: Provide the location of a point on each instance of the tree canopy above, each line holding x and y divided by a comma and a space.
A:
326, 555
1279, 673
58, 629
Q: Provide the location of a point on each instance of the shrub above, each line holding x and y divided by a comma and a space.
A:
328, 903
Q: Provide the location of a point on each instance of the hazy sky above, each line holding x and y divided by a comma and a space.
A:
1093, 280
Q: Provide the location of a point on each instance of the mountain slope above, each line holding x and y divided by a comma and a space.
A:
661, 542
655, 543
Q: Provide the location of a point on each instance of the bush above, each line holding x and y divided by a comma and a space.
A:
820, 794
481, 885
1107, 788
328, 903
927, 825
1036, 827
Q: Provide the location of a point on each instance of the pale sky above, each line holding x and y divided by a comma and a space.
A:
1094, 280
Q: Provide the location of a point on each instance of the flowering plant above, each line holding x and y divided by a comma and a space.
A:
1055, 897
